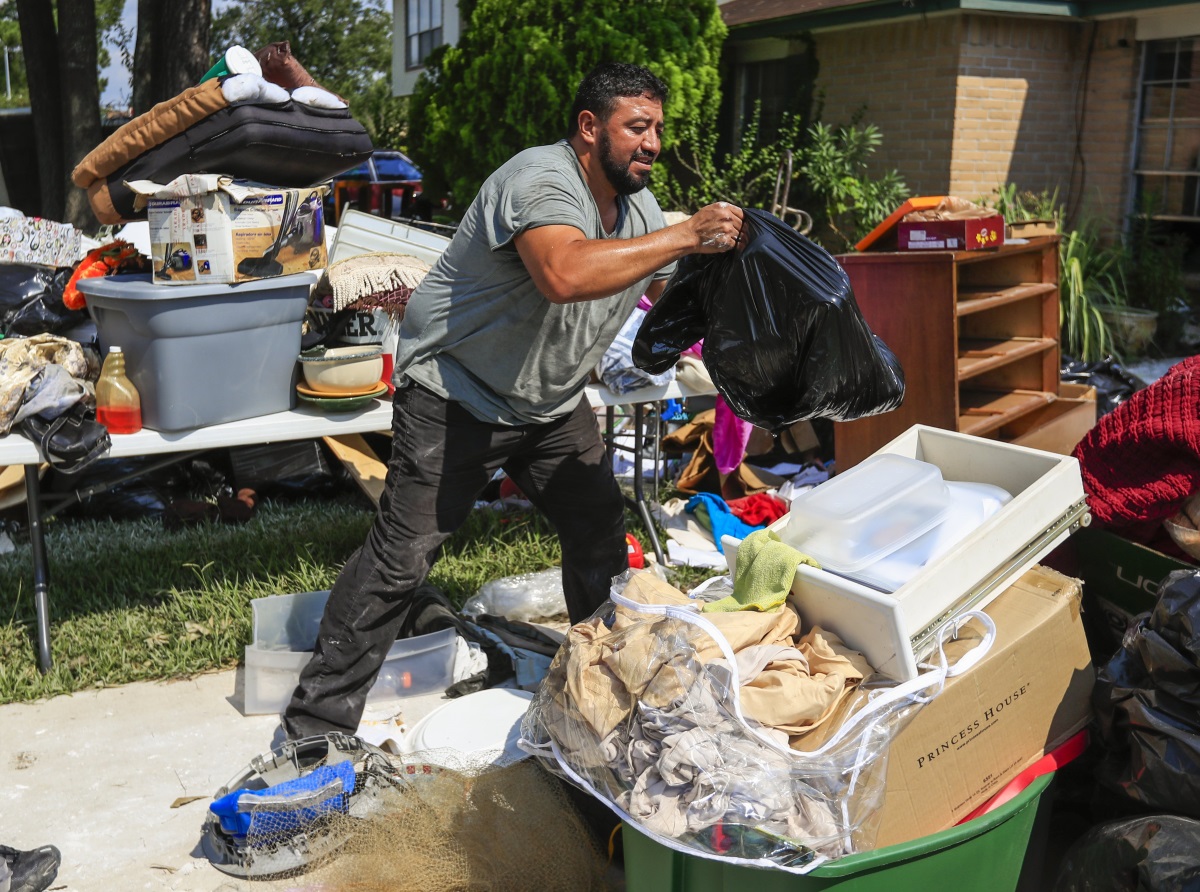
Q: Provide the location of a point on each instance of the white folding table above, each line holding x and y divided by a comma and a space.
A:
297, 424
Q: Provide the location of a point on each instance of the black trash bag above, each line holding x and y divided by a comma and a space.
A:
783, 336
1147, 701
1114, 384
31, 300
1157, 853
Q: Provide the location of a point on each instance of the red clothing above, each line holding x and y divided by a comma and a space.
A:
758, 509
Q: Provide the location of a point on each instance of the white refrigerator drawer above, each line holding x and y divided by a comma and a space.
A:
896, 630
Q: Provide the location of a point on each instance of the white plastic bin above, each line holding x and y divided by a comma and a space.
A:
285, 632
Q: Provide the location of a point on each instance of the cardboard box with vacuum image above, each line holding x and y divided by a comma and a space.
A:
1031, 693
209, 230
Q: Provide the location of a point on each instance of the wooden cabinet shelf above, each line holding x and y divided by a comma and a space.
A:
978, 299
976, 333
979, 355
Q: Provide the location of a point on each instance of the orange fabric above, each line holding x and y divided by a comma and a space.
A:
148, 130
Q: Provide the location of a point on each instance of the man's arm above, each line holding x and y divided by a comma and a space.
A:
567, 266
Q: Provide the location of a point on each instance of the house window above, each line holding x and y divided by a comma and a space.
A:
424, 30
1167, 160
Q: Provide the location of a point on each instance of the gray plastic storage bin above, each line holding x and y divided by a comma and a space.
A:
203, 354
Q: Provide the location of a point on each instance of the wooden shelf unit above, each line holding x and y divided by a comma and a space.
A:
976, 333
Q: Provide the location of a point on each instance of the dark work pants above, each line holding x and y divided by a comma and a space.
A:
442, 458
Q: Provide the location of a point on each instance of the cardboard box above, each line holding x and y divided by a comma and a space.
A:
214, 230
1029, 695
951, 235
1031, 228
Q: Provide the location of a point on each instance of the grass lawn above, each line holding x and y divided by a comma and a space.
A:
132, 601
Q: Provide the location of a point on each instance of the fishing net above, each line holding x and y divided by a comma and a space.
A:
353, 818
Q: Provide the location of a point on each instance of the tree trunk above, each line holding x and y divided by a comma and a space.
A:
80, 101
40, 46
143, 55
172, 49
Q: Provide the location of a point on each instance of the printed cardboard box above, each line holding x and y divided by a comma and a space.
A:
951, 235
206, 229
1029, 695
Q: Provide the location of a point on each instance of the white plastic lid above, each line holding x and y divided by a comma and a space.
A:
867, 512
486, 721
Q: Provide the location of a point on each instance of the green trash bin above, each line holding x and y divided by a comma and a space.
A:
983, 855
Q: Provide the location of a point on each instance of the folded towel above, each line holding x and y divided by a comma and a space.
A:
720, 521
766, 567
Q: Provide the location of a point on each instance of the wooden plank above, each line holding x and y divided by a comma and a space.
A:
361, 461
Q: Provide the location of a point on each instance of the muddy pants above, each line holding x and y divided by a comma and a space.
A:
442, 458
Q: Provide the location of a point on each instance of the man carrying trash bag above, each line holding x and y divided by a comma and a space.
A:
494, 353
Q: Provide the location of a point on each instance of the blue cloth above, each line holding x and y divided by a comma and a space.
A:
338, 778
723, 521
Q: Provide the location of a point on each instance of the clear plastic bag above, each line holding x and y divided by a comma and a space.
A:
643, 708
524, 598
783, 336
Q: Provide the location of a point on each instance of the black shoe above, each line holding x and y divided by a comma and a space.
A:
32, 871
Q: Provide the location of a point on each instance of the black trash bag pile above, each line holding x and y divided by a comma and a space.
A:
1156, 853
31, 300
1147, 701
783, 336
1114, 384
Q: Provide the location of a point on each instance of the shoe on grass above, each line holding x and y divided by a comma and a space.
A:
31, 871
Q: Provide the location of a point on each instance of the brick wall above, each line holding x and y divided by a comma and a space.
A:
1102, 182
967, 103
903, 73
1015, 95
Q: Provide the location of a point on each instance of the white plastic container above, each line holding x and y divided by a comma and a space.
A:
285, 633
852, 520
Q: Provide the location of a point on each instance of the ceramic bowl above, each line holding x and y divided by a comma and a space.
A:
341, 370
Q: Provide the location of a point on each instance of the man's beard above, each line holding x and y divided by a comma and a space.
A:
619, 175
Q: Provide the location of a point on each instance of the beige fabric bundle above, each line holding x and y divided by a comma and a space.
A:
381, 280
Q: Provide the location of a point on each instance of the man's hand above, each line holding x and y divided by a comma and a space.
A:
567, 266
716, 227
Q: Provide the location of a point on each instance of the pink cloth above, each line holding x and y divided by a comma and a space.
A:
730, 436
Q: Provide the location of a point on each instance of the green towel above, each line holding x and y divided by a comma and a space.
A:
763, 576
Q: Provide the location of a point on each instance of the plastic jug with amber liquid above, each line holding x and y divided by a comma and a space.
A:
118, 404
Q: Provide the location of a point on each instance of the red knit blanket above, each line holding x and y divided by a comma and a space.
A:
1141, 462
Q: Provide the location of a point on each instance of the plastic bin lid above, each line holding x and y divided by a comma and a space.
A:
141, 286
488, 721
860, 515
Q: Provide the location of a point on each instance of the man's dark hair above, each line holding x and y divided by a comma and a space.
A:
606, 83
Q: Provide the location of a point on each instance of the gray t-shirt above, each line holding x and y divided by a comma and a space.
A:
478, 331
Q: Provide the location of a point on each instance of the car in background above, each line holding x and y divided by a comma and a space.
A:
387, 184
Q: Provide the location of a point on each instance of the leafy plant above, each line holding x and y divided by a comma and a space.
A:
850, 201
1014, 205
1090, 276
1155, 262
745, 177
509, 81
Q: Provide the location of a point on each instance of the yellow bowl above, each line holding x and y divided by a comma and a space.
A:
337, 370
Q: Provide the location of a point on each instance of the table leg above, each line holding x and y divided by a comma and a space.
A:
639, 490
41, 568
